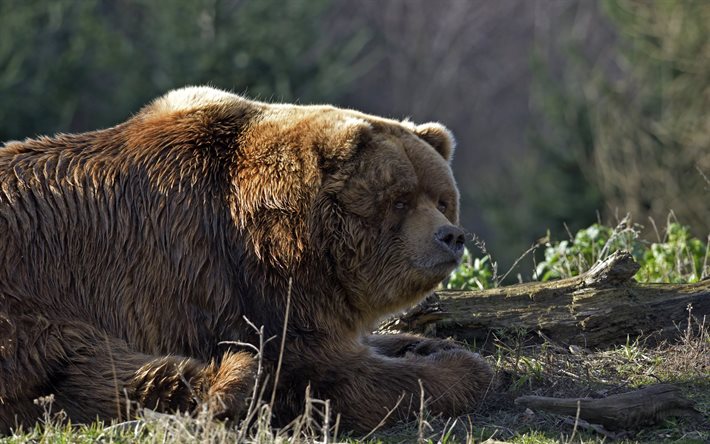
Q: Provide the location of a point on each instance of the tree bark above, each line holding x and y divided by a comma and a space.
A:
601, 307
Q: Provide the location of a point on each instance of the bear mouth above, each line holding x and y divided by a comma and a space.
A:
437, 265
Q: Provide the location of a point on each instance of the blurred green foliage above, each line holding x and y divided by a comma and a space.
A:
70, 65
550, 186
626, 130
652, 144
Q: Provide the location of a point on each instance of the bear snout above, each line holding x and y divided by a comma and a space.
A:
451, 239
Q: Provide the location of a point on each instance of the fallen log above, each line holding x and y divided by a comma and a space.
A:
601, 307
624, 411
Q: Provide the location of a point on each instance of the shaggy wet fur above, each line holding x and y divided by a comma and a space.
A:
130, 258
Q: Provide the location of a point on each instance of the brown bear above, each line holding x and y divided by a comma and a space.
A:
136, 261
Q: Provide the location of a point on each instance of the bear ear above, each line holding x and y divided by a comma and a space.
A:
439, 137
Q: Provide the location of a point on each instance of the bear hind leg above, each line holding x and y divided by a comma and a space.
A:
92, 376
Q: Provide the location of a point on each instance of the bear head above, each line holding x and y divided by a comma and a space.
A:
341, 200
392, 215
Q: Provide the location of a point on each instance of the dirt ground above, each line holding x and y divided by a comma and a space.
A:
537, 366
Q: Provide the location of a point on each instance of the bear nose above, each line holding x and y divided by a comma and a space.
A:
452, 238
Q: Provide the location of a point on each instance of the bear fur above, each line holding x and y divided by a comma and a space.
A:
135, 261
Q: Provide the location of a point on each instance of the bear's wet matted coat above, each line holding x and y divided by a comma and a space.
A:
130, 258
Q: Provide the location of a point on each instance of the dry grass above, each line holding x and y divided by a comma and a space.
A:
544, 368
549, 369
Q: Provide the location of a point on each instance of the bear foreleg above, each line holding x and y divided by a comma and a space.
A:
366, 387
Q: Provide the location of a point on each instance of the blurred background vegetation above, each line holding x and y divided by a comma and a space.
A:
566, 113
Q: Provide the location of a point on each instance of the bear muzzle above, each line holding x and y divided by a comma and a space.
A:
450, 239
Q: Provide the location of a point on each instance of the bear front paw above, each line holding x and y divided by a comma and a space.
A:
465, 370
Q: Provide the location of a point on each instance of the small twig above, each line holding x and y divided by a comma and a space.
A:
594, 427
384, 420
576, 421
704, 176
481, 244
655, 229
115, 382
705, 272
283, 344
336, 427
420, 430
251, 411
326, 422
621, 227
240, 344
532, 248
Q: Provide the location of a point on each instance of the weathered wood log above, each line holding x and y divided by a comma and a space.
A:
601, 307
624, 411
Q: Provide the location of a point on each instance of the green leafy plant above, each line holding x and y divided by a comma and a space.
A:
677, 258
571, 257
473, 273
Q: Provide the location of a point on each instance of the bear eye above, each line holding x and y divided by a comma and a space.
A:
400, 205
442, 206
